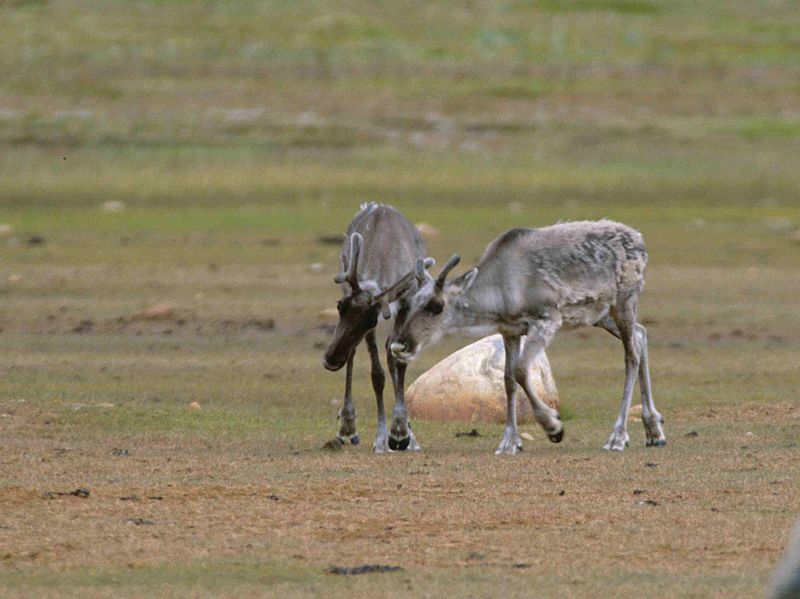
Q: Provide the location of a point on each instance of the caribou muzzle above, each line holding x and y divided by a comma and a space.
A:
401, 352
331, 365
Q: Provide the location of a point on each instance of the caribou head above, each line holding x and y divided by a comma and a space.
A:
430, 307
361, 304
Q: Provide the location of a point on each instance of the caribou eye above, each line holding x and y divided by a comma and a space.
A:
434, 306
371, 319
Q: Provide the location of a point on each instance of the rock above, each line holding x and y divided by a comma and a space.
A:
195, 406
14, 279
468, 386
635, 412
316, 267
154, 312
113, 206
427, 231
6, 230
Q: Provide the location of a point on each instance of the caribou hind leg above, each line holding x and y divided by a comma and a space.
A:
511, 443
347, 415
378, 375
651, 418
624, 317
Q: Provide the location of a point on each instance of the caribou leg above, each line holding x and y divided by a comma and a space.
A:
651, 418
347, 415
624, 316
539, 336
378, 375
401, 436
511, 443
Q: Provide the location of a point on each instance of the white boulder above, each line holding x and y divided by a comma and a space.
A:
467, 386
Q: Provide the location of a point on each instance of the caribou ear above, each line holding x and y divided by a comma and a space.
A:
395, 292
463, 282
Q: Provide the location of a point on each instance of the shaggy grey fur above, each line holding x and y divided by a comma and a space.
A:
534, 282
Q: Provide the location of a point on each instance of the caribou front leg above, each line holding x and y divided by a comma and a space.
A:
511, 443
347, 415
401, 436
378, 375
540, 334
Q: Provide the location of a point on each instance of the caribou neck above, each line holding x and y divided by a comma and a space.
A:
466, 315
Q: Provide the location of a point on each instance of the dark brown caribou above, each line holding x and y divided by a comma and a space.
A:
379, 259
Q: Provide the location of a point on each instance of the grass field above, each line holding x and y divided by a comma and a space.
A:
238, 133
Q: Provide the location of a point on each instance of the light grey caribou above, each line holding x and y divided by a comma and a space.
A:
379, 259
534, 282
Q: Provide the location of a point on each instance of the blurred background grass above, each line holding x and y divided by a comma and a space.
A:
244, 108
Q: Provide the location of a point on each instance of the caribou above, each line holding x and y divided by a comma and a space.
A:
382, 256
533, 282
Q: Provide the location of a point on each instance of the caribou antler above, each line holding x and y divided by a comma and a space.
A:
421, 270
451, 264
350, 273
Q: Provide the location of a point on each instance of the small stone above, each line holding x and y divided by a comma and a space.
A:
113, 206
526, 436
155, 312
427, 231
334, 444
6, 230
14, 278
473, 433
195, 406
635, 412
316, 267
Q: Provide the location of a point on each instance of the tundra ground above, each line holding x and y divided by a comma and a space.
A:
236, 135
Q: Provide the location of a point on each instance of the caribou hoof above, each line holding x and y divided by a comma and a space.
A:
656, 442
399, 444
355, 439
556, 437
